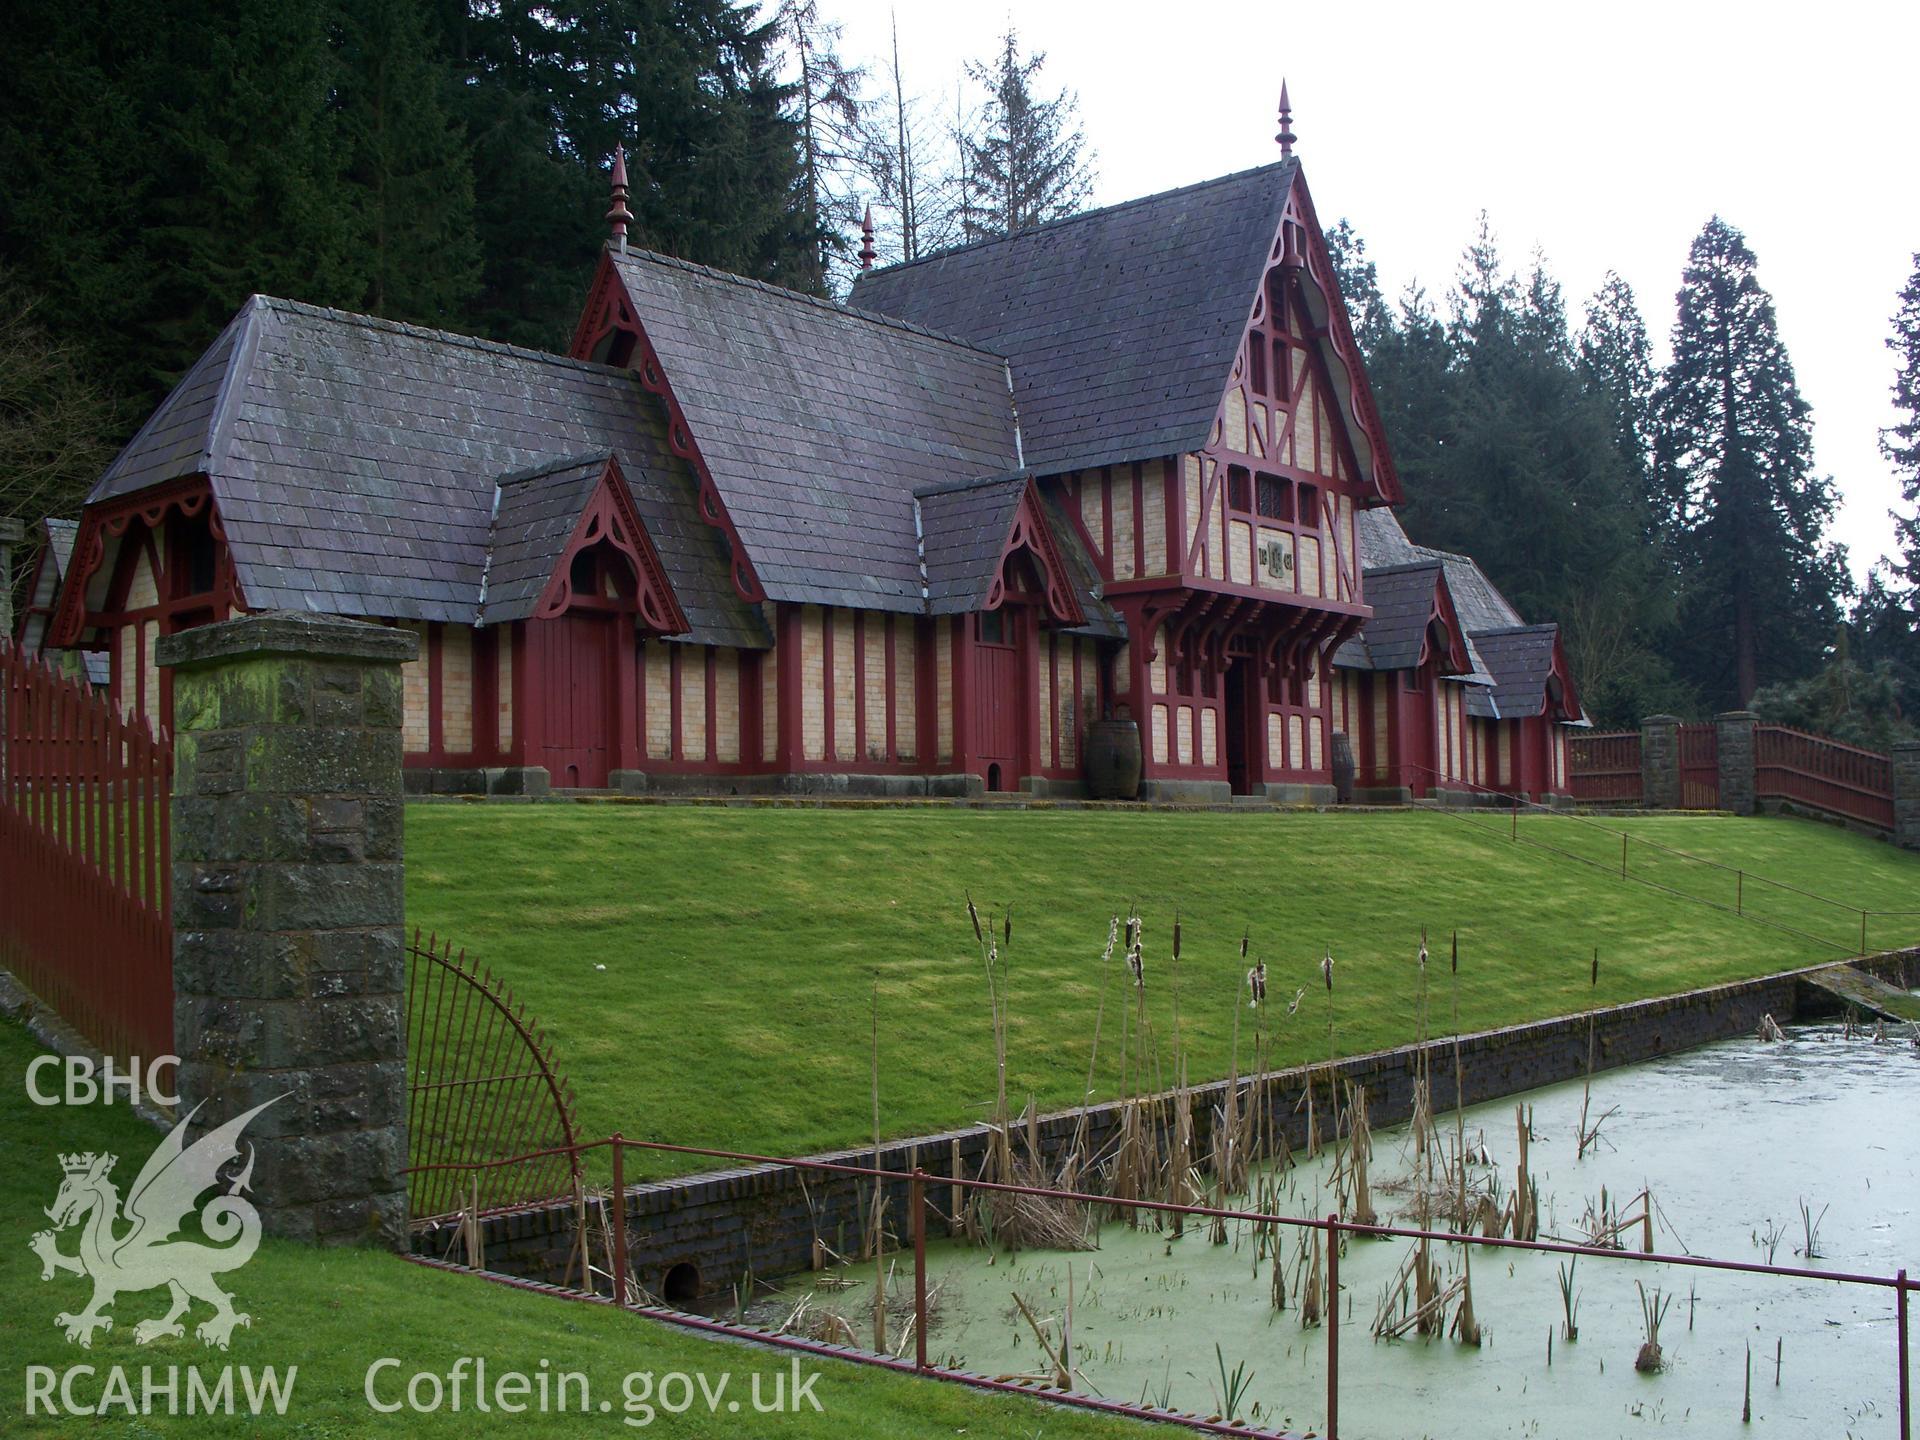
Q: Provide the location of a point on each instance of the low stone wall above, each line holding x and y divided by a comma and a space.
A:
699, 1235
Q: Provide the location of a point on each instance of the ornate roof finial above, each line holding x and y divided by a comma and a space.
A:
618, 215
866, 240
1286, 137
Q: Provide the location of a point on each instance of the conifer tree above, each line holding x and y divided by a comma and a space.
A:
1735, 453
1618, 362
1900, 442
1027, 161
1359, 280
407, 164
837, 134
249, 193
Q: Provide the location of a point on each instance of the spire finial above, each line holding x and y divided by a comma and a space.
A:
866, 240
1286, 137
617, 214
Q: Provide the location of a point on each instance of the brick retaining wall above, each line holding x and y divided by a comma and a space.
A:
762, 1219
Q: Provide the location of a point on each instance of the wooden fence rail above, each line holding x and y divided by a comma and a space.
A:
1823, 774
1814, 771
86, 905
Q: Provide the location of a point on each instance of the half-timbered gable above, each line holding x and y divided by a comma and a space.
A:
1188, 386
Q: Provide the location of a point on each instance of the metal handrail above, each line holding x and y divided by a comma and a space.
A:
1333, 1226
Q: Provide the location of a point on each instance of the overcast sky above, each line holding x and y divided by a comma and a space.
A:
1603, 136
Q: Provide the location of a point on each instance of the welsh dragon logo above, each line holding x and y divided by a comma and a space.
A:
135, 1249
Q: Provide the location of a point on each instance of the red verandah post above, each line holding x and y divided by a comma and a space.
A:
619, 1221
917, 1198
1333, 1324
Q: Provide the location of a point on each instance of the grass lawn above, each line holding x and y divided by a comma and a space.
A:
333, 1312
741, 947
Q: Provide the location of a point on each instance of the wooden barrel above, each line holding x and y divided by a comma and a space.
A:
1113, 760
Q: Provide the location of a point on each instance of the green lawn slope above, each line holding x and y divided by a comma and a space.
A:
707, 974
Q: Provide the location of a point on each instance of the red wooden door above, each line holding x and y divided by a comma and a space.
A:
1001, 697
578, 700
1416, 733
1245, 728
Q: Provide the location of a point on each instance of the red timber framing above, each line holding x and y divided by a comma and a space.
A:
1236, 566
1409, 728
153, 564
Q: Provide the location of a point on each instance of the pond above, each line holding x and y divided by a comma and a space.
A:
1730, 1139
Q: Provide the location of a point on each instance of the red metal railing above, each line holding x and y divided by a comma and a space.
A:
1332, 1226
481, 1083
86, 910
1823, 774
1604, 766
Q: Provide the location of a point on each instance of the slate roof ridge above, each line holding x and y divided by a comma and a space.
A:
1539, 628
981, 482
452, 337
836, 307
1405, 566
243, 322
1084, 215
554, 467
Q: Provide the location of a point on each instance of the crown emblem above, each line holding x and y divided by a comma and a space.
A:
81, 1163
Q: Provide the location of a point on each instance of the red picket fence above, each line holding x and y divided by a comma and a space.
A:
1604, 766
1823, 774
85, 874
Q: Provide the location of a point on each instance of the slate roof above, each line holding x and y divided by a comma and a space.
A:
963, 529
1512, 659
818, 423
354, 462
534, 517
1402, 597
1521, 659
1121, 324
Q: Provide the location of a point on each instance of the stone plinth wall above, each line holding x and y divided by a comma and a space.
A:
762, 1219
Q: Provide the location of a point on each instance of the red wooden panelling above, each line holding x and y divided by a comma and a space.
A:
1699, 767
1000, 703
1823, 774
84, 849
578, 706
1604, 766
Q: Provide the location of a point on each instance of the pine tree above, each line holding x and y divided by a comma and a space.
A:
249, 193
1735, 451
914, 173
837, 139
408, 164
1359, 281
1027, 160
1506, 453
1900, 442
1618, 363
